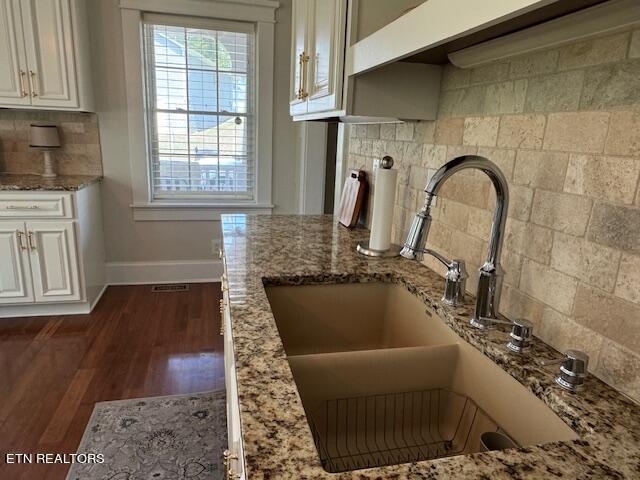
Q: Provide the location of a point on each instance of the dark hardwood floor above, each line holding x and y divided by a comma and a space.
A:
135, 343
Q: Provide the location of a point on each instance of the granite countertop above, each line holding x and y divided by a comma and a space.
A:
294, 249
17, 182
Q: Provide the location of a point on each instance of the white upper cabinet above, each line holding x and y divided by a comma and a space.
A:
299, 26
13, 63
320, 90
326, 47
317, 55
46, 53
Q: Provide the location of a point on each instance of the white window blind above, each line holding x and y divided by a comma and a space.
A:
200, 108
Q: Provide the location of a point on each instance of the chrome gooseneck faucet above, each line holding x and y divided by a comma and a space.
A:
490, 274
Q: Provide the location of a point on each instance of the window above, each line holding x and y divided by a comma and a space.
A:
200, 113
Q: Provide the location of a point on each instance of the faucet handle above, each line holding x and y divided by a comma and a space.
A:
455, 282
573, 370
521, 332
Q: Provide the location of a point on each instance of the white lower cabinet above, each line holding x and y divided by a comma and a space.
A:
234, 456
42, 262
54, 261
51, 258
15, 270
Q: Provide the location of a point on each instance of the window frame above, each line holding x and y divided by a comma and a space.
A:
262, 15
247, 28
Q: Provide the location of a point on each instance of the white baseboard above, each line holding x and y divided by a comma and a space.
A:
126, 273
139, 273
44, 309
98, 297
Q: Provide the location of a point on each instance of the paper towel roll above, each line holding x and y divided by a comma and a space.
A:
383, 201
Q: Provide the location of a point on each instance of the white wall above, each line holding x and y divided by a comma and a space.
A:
129, 241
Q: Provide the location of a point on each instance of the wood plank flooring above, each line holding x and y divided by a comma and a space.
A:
135, 343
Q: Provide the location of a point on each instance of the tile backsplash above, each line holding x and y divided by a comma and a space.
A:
80, 151
564, 127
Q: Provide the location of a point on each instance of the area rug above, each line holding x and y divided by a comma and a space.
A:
160, 438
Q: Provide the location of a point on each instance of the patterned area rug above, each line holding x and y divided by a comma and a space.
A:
175, 437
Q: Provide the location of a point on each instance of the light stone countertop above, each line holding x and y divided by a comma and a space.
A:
296, 249
28, 182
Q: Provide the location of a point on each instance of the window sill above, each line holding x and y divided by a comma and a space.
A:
193, 211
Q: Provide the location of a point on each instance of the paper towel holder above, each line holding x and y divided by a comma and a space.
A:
393, 250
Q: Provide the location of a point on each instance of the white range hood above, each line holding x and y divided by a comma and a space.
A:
471, 33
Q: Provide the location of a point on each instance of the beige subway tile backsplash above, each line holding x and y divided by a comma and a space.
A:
620, 367
612, 179
588, 262
555, 92
624, 133
80, 152
535, 64
634, 48
481, 131
571, 251
628, 285
521, 131
506, 97
529, 240
561, 211
564, 334
449, 131
576, 132
549, 286
594, 52
611, 85
538, 169
616, 227
494, 72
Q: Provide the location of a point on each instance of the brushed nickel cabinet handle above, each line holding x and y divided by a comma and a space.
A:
222, 304
21, 207
20, 234
31, 241
34, 83
230, 474
24, 91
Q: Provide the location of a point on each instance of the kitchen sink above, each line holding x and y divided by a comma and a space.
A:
352, 316
383, 380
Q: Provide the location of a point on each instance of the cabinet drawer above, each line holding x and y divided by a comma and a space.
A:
28, 205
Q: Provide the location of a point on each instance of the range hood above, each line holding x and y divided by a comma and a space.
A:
439, 31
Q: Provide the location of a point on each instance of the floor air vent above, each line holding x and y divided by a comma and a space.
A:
170, 287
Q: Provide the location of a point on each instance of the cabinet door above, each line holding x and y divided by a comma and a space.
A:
15, 278
299, 24
50, 55
54, 261
327, 22
14, 88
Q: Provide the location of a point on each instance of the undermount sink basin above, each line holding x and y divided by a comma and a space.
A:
383, 380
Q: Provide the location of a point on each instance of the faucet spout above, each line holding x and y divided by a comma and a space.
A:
490, 273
